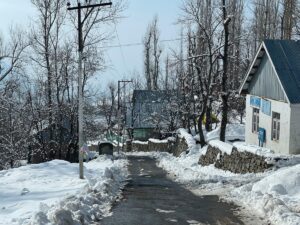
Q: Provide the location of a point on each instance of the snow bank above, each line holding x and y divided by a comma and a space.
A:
156, 141
89, 143
242, 146
233, 132
51, 193
222, 146
188, 137
276, 196
140, 142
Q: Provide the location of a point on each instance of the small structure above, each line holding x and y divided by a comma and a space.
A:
272, 86
55, 141
149, 114
106, 148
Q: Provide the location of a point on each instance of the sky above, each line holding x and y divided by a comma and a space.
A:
121, 61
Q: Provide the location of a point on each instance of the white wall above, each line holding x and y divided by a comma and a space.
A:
265, 121
295, 130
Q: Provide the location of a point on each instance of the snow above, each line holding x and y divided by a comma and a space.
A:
165, 211
276, 196
158, 141
242, 146
93, 155
140, 142
233, 132
223, 147
191, 142
51, 193
90, 143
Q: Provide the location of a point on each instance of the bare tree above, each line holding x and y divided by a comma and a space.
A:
12, 52
55, 64
203, 54
15, 123
288, 19
152, 54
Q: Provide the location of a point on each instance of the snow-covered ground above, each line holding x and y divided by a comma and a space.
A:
51, 193
273, 195
234, 131
276, 196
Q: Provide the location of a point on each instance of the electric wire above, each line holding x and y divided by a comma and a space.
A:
137, 44
119, 45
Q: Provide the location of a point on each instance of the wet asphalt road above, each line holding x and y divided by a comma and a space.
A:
150, 198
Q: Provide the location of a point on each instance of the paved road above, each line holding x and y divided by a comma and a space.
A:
150, 198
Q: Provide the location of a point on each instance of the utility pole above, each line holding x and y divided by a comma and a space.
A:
119, 110
79, 7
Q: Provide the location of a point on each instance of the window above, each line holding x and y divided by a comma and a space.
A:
275, 126
255, 120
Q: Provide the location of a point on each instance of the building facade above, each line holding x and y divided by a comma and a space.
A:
272, 86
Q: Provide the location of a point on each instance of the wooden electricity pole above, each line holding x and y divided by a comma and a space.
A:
79, 7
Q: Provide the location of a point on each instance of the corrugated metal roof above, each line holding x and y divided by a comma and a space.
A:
285, 56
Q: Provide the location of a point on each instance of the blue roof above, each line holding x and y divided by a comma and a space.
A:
285, 56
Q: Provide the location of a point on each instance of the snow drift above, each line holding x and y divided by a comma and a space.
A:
51, 193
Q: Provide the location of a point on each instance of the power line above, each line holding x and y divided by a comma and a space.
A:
137, 44
121, 50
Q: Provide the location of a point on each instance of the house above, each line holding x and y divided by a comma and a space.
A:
150, 113
272, 86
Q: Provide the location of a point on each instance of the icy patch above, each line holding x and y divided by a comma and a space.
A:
194, 222
172, 220
165, 211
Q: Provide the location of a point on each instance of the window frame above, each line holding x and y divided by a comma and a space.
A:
255, 120
275, 129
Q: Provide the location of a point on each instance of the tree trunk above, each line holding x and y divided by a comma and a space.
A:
208, 120
201, 134
224, 93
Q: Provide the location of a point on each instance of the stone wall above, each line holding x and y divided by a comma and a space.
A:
94, 148
158, 146
236, 162
139, 146
175, 146
179, 146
